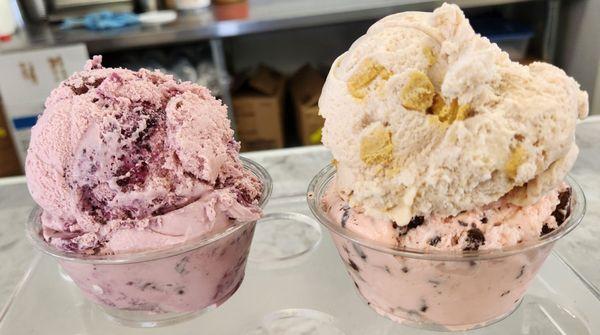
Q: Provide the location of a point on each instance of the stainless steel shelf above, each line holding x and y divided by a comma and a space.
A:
263, 16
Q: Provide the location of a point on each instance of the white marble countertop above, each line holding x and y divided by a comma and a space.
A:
291, 170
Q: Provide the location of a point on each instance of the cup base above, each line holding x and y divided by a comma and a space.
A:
146, 319
439, 327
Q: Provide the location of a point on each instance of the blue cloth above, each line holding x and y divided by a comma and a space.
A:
102, 21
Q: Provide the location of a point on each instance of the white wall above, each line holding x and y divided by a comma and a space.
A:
579, 45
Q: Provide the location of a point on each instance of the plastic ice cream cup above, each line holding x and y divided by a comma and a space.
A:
164, 286
440, 290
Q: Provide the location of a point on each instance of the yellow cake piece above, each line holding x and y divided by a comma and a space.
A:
438, 105
430, 55
517, 157
376, 147
418, 92
369, 70
449, 113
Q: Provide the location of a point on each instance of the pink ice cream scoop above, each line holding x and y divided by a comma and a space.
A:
143, 196
484, 258
122, 161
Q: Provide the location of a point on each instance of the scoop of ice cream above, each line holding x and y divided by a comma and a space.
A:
497, 225
424, 116
122, 161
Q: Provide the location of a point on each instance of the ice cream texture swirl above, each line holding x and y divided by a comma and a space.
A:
444, 121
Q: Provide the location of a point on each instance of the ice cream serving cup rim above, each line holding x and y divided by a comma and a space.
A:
321, 181
34, 232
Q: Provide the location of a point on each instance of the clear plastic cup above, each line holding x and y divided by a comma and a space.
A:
165, 286
437, 290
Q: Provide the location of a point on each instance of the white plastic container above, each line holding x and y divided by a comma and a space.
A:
191, 4
7, 21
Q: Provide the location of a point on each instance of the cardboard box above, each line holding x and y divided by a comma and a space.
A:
258, 110
9, 161
305, 90
27, 79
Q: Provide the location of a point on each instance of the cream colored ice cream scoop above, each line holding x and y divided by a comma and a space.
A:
424, 116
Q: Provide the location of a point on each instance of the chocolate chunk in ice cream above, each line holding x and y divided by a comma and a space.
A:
475, 238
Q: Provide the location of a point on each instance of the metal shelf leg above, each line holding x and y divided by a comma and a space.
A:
218, 55
551, 31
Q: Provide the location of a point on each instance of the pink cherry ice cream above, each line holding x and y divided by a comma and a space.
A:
443, 146
125, 162
424, 291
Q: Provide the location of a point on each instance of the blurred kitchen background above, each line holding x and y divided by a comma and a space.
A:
266, 59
